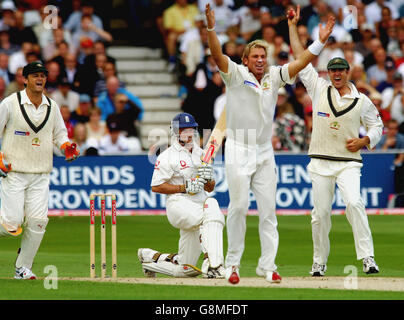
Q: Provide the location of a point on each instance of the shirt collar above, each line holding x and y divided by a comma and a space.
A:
354, 91
26, 100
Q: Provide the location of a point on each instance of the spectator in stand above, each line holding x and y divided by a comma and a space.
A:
203, 87
249, 17
289, 128
47, 37
377, 72
348, 46
363, 41
392, 139
106, 98
87, 9
373, 11
19, 58
91, 74
51, 49
5, 45
17, 84
81, 139
4, 72
109, 70
72, 71
114, 142
390, 68
177, 19
52, 81
98, 48
389, 94
3, 88
82, 113
373, 45
266, 21
85, 50
64, 110
90, 31
224, 16
338, 31
230, 50
195, 53
304, 36
383, 25
126, 113
64, 95
296, 98
8, 9
376, 98
19, 33
397, 110
96, 128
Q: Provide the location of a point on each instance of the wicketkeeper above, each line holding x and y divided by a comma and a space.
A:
30, 125
180, 174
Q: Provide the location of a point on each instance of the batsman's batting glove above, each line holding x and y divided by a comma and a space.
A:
5, 167
70, 151
205, 171
194, 185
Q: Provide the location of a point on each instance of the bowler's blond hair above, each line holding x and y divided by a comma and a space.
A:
255, 44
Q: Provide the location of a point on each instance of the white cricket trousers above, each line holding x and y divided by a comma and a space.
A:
348, 182
251, 168
24, 201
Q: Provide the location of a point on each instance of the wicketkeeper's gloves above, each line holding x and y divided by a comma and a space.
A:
70, 151
5, 167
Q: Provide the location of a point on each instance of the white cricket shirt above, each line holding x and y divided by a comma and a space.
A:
251, 104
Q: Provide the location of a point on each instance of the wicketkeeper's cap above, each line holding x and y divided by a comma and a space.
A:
34, 67
338, 63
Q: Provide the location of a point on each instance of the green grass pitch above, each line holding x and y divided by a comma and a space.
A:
66, 246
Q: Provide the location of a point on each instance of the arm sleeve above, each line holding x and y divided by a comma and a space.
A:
162, 171
284, 75
59, 128
232, 77
5, 116
372, 121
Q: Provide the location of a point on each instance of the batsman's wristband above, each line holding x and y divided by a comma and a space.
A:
316, 47
210, 29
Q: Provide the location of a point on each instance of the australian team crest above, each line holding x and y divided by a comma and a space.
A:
36, 142
335, 125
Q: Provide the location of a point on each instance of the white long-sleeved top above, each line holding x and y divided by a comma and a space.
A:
369, 116
27, 150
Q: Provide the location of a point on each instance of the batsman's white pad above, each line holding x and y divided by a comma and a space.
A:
31, 240
212, 232
173, 270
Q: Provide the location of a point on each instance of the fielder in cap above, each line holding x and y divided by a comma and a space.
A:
339, 110
30, 125
178, 173
251, 95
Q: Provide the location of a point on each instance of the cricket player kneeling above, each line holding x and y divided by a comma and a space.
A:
180, 174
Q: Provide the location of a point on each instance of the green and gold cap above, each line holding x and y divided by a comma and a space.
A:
338, 63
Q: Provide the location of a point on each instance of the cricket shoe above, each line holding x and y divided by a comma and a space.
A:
271, 276
232, 274
370, 266
212, 273
24, 273
318, 270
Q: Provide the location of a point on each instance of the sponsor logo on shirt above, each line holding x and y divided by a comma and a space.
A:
21, 133
323, 114
183, 165
156, 165
251, 84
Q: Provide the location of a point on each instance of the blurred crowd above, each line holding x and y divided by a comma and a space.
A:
100, 114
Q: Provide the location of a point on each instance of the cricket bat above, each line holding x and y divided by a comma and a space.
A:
215, 139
